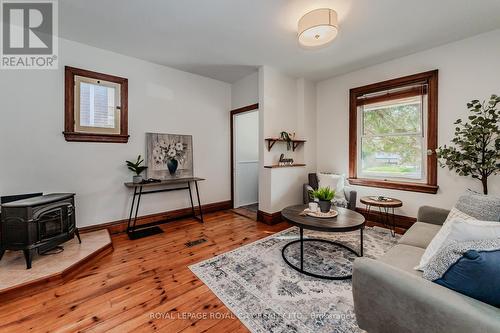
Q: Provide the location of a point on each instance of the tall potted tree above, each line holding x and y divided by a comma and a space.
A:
475, 149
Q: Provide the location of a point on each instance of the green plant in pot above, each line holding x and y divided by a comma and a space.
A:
324, 196
137, 168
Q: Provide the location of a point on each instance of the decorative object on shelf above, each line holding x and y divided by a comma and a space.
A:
285, 136
137, 168
476, 145
285, 161
275, 166
169, 155
324, 196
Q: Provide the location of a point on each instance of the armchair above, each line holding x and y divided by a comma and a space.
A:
349, 193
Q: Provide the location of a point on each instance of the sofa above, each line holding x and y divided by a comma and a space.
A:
390, 296
313, 184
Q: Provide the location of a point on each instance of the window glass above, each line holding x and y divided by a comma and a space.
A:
392, 142
97, 105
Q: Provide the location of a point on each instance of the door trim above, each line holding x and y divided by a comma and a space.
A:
231, 116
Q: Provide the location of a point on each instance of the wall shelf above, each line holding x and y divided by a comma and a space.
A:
272, 141
275, 166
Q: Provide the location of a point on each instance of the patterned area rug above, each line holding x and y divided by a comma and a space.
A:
267, 295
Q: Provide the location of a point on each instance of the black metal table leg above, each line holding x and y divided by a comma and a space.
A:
361, 242
137, 208
191, 198
131, 209
199, 201
77, 233
301, 249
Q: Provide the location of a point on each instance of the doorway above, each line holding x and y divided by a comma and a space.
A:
245, 160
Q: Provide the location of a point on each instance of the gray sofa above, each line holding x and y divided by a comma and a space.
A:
349, 193
390, 296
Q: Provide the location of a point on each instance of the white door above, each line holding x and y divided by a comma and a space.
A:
246, 158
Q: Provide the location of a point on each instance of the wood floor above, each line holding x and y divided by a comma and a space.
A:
142, 286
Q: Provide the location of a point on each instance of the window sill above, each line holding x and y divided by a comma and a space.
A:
91, 137
402, 186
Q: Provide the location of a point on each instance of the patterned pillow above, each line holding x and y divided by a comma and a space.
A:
450, 254
482, 207
455, 213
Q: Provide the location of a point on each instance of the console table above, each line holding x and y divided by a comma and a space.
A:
149, 229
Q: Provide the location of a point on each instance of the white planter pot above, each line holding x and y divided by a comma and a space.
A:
137, 179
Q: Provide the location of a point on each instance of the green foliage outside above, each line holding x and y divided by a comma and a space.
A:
393, 130
475, 149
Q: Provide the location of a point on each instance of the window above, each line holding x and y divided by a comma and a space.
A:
393, 133
96, 107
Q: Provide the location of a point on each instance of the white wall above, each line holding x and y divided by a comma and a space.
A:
468, 69
245, 91
35, 156
286, 104
246, 153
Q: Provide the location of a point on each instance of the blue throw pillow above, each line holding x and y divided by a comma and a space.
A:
477, 275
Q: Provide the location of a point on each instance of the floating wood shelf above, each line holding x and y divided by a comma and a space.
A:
272, 141
275, 166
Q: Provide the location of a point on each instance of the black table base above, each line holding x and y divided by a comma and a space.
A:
301, 269
387, 217
149, 229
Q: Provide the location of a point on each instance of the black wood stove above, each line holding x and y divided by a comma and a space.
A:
39, 223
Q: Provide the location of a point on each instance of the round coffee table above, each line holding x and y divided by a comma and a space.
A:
386, 210
346, 221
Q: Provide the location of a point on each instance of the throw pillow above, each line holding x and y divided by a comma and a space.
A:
334, 182
482, 207
455, 213
470, 268
458, 230
451, 253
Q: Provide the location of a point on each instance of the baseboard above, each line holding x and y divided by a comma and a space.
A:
401, 221
269, 218
121, 225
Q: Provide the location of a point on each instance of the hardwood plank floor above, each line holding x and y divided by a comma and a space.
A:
142, 286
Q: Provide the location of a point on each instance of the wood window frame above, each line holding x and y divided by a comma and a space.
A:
431, 79
70, 134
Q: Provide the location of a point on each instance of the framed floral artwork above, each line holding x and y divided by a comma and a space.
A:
169, 156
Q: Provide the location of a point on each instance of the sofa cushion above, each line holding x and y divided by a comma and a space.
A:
404, 257
420, 234
459, 231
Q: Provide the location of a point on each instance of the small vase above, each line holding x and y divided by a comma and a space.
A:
325, 206
137, 179
172, 165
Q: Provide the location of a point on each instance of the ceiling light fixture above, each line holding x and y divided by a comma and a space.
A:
318, 28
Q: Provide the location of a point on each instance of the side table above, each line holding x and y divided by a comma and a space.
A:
385, 207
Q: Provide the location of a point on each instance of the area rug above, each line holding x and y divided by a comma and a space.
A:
267, 295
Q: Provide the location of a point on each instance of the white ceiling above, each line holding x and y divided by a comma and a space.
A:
228, 39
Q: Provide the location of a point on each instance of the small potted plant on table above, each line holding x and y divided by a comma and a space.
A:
324, 196
137, 168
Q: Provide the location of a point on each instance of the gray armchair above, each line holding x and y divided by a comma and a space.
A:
349, 193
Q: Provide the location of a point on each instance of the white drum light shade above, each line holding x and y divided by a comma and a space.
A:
318, 28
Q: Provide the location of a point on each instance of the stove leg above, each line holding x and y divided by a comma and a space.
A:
28, 255
1, 254
77, 233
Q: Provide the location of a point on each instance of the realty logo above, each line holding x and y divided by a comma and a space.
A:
29, 34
